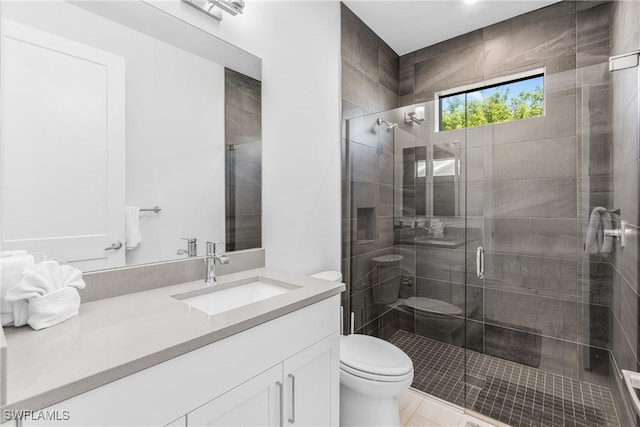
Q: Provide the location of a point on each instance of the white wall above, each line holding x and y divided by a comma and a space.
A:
174, 127
299, 43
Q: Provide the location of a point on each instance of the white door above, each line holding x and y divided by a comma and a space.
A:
256, 402
312, 385
61, 100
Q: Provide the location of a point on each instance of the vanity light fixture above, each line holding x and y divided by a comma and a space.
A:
214, 8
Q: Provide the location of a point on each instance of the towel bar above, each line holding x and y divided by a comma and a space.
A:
621, 233
155, 209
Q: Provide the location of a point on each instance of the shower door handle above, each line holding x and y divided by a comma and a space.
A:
480, 262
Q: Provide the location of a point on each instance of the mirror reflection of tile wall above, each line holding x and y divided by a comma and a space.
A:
243, 161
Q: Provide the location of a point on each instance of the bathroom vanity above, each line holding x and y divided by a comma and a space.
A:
151, 358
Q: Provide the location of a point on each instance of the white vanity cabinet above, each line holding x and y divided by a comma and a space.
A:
299, 391
282, 372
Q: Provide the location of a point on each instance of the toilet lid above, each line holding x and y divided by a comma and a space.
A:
436, 306
332, 276
363, 354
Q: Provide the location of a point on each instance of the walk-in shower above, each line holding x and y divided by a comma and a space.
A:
539, 336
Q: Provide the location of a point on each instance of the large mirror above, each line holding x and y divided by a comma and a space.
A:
114, 149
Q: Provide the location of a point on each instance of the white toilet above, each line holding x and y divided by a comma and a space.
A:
372, 373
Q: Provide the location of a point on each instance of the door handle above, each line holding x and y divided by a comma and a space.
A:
281, 398
480, 262
114, 246
292, 420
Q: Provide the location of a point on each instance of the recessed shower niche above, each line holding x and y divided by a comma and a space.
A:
366, 225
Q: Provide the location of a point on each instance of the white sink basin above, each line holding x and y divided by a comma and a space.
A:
220, 298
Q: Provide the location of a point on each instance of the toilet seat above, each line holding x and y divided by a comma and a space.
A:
432, 306
374, 359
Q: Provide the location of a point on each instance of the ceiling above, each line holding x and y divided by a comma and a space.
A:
411, 25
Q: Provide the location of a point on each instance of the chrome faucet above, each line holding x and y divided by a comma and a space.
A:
210, 263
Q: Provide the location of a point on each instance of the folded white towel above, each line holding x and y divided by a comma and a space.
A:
53, 308
133, 236
46, 295
11, 269
596, 242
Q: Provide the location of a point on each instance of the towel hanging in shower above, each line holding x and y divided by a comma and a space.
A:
596, 242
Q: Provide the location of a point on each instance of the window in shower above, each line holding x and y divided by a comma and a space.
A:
496, 101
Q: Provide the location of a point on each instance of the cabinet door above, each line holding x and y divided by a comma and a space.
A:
312, 385
257, 402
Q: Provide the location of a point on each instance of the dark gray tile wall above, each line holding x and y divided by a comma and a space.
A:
243, 161
369, 84
560, 37
625, 37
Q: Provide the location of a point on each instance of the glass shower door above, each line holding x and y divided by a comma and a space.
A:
526, 305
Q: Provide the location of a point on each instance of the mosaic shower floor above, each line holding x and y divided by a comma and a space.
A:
506, 391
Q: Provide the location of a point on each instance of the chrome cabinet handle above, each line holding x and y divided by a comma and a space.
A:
281, 397
114, 246
292, 420
480, 262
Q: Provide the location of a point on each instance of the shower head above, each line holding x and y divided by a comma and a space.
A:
390, 125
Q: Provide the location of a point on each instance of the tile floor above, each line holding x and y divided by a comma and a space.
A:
421, 410
502, 390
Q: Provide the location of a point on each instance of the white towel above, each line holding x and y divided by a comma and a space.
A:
596, 242
53, 308
46, 295
133, 236
11, 269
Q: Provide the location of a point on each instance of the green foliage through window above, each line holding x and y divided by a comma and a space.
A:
519, 99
